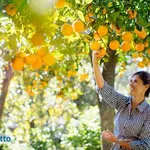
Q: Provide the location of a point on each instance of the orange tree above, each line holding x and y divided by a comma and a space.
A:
57, 36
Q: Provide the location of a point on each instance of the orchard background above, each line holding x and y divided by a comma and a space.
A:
48, 98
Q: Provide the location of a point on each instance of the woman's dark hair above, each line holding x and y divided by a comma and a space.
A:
145, 77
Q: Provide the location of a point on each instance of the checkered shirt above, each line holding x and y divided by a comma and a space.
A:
134, 125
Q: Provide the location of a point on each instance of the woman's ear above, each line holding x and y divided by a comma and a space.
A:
147, 86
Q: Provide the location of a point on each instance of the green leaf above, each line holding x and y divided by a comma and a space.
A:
12, 42
7, 57
88, 1
81, 15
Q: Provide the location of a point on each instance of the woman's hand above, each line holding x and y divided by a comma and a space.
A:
96, 56
109, 136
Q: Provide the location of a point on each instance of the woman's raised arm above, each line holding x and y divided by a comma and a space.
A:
97, 72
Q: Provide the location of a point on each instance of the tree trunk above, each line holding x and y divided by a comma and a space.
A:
106, 112
8, 76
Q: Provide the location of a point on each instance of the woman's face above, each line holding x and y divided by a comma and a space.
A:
137, 87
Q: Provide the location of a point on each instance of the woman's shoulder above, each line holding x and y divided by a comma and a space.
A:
147, 108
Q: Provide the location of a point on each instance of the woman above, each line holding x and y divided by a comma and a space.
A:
132, 121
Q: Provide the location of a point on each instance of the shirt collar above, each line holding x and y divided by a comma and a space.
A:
140, 107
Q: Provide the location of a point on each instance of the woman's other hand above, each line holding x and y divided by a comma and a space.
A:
109, 136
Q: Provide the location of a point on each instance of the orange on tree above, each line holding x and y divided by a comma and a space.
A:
83, 77
60, 3
30, 59
88, 17
146, 44
125, 46
71, 73
67, 29
94, 45
148, 51
132, 13
101, 53
127, 36
17, 64
96, 36
141, 64
38, 64
43, 50
78, 26
11, 9
37, 39
49, 59
135, 55
102, 30
141, 34
140, 54
139, 47
114, 44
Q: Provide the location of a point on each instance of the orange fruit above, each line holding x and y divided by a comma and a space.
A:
83, 77
139, 47
88, 17
135, 55
60, 3
114, 44
140, 54
17, 64
94, 45
101, 52
78, 26
31, 59
102, 30
141, 64
66, 29
132, 14
140, 34
11, 9
42, 51
71, 73
96, 36
148, 51
37, 39
125, 46
146, 44
127, 36
49, 59
38, 64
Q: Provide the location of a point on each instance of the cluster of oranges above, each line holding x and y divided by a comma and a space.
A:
127, 38
95, 45
35, 61
68, 29
11, 8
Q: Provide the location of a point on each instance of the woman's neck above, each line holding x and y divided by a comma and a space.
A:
136, 100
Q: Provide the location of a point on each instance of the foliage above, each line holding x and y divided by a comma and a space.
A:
51, 64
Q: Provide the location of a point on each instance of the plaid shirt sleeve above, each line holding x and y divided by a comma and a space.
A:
113, 98
144, 141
